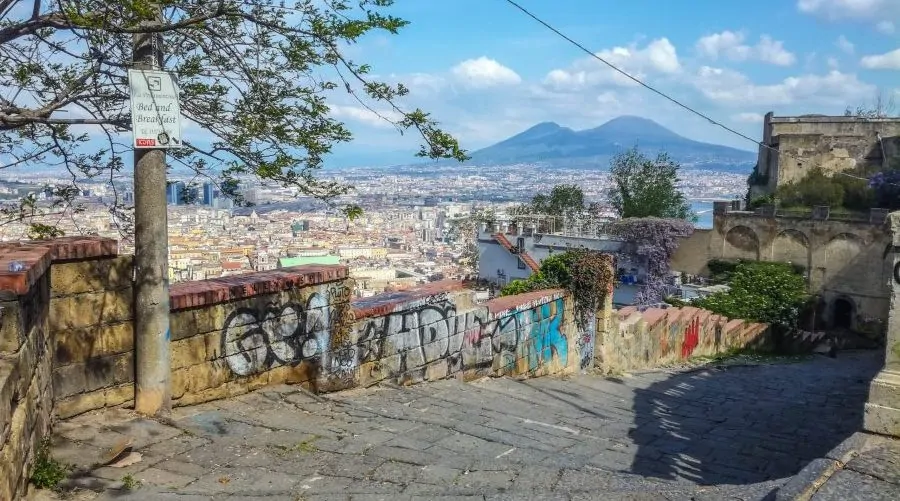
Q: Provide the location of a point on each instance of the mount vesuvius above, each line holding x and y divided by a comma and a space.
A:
552, 144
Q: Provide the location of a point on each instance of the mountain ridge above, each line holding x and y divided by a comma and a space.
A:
557, 145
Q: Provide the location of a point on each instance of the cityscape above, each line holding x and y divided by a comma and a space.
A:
479, 249
402, 239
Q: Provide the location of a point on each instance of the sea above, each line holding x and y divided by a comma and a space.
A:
704, 211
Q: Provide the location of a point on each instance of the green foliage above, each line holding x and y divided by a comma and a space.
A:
720, 270
773, 293
40, 231
836, 191
645, 187
760, 201
256, 78
587, 275
757, 179
130, 483
563, 199
47, 472
815, 189
674, 301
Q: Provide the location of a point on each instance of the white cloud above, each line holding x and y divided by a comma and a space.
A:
747, 117
730, 45
377, 118
886, 27
833, 63
484, 72
657, 57
731, 88
841, 9
845, 45
888, 61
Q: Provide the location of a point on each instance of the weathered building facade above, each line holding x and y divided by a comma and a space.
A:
793, 146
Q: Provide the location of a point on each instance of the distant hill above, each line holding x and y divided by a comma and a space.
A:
554, 145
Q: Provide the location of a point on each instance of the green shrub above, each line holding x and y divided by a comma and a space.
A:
815, 189
48, 472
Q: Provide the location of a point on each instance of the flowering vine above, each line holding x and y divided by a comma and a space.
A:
654, 240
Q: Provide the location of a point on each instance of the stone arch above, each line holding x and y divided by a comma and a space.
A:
842, 269
842, 249
843, 312
791, 246
740, 242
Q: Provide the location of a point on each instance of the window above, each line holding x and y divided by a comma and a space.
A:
521, 264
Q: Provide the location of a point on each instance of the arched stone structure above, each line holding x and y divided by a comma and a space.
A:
791, 246
740, 242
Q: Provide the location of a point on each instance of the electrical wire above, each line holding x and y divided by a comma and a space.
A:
663, 94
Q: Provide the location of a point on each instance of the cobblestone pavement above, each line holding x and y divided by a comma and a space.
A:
727, 433
871, 474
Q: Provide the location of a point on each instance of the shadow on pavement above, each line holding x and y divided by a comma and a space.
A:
725, 426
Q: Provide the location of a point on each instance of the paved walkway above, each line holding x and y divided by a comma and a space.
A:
864, 467
727, 433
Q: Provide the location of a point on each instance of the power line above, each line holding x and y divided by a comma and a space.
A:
661, 93
630, 76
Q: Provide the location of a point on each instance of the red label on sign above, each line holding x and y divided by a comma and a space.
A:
146, 142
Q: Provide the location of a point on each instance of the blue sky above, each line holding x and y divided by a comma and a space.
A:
486, 71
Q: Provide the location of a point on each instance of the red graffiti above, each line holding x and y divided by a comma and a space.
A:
691, 338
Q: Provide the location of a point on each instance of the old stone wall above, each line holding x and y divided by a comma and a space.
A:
27, 346
236, 334
635, 339
91, 323
846, 261
834, 144
692, 253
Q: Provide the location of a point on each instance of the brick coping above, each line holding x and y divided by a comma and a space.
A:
37, 255
389, 302
212, 291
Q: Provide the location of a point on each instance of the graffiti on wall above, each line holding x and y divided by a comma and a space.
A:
410, 339
691, 338
274, 334
586, 340
323, 332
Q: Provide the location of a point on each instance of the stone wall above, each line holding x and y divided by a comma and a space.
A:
846, 261
634, 339
235, 334
29, 307
437, 332
67, 337
692, 254
91, 323
834, 144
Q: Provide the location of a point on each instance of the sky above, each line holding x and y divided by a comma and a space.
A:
486, 71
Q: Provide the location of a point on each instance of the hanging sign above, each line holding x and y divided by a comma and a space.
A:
155, 113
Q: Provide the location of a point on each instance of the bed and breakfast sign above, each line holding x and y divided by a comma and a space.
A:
155, 112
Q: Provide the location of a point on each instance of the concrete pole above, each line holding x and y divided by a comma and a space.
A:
151, 292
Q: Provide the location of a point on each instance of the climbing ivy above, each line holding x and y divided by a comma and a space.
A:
586, 275
654, 240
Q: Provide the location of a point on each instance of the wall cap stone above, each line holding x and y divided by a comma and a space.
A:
212, 291
507, 305
37, 255
389, 302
